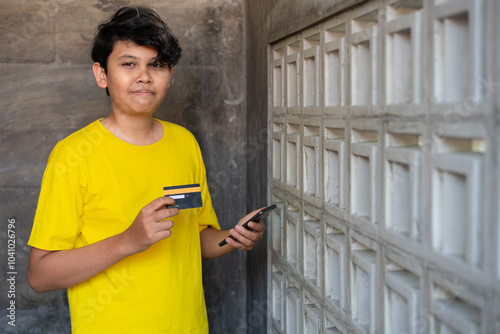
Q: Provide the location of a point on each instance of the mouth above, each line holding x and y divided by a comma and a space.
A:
147, 92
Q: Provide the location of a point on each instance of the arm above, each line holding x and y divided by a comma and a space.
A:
211, 237
51, 270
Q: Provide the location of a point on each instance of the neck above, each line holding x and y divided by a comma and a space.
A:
136, 130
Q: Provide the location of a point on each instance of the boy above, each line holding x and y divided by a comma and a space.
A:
130, 259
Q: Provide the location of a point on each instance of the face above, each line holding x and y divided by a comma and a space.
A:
136, 84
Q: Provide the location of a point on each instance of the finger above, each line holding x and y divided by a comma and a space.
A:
161, 230
158, 204
257, 226
169, 201
236, 244
251, 235
242, 238
162, 214
164, 225
162, 234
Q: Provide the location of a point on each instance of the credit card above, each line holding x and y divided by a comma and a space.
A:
186, 196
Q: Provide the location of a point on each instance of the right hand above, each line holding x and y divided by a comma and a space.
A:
149, 226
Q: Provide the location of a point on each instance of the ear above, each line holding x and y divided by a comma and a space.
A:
170, 76
100, 75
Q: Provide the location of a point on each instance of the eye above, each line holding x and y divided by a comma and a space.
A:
128, 64
156, 65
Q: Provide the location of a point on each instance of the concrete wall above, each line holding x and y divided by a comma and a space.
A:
47, 91
268, 21
384, 163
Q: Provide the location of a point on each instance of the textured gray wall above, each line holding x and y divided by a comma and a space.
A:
473, 287
47, 91
268, 21
285, 17
257, 12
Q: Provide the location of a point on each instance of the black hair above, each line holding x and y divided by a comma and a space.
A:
141, 25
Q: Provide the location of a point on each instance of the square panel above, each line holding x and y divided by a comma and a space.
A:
278, 147
293, 318
277, 288
403, 60
311, 162
364, 64
402, 193
335, 66
293, 156
312, 250
312, 319
363, 181
363, 287
401, 302
277, 220
363, 83
278, 77
456, 213
334, 166
312, 70
293, 76
452, 38
457, 51
335, 268
292, 235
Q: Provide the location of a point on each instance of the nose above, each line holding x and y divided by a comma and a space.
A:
143, 76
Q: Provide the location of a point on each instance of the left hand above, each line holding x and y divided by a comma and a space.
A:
246, 239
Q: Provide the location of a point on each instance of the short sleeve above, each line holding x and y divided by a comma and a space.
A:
207, 216
57, 221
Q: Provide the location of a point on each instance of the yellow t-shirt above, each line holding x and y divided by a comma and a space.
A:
93, 187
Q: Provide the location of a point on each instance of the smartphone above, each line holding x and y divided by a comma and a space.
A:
257, 217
